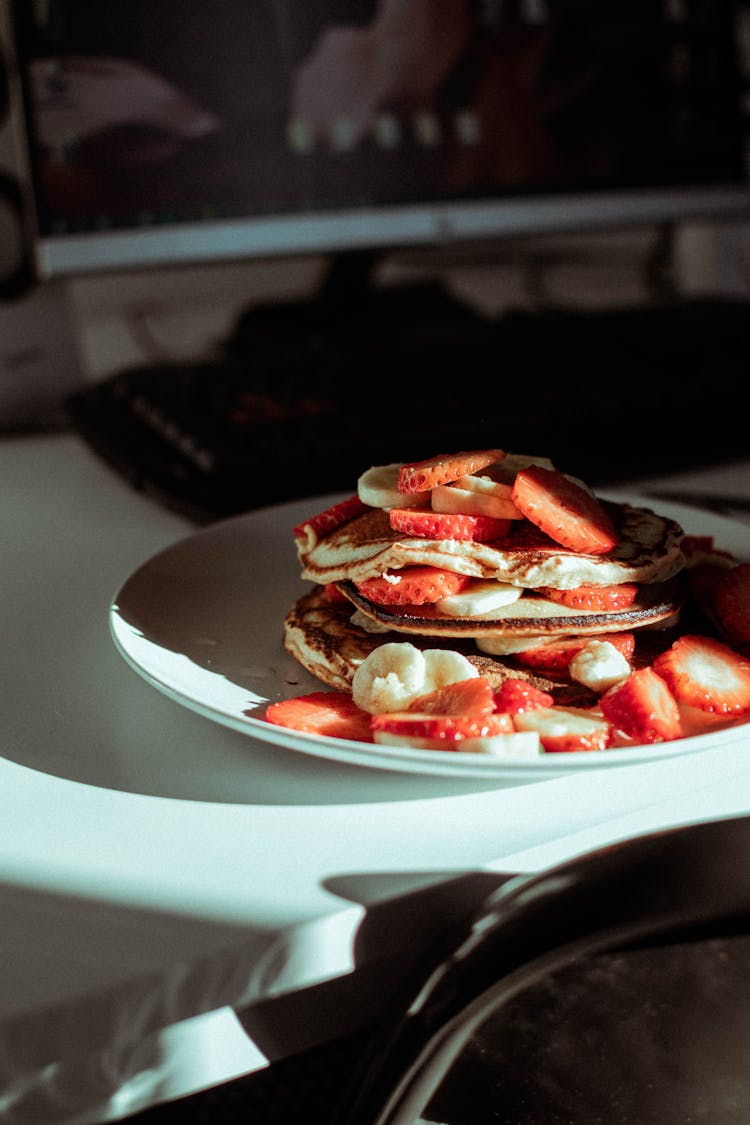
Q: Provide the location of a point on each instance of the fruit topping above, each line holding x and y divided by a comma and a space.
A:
602, 598
479, 597
473, 501
310, 531
414, 585
425, 524
443, 732
598, 666
730, 603
396, 673
329, 713
702, 672
421, 476
565, 730
333, 594
643, 708
563, 510
378, 488
514, 696
464, 697
555, 656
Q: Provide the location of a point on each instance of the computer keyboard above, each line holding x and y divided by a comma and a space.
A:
302, 397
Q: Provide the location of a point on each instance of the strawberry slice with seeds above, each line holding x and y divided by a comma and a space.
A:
421, 476
310, 531
514, 696
643, 708
464, 697
555, 656
414, 585
442, 732
564, 511
566, 730
425, 524
329, 713
702, 672
730, 602
602, 598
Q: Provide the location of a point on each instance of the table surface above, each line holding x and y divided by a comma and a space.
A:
158, 870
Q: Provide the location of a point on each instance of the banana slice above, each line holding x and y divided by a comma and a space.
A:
520, 744
397, 673
447, 498
599, 665
486, 485
504, 472
481, 596
378, 488
504, 646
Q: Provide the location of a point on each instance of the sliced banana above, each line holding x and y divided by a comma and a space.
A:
481, 596
520, 744
397, 673
484, 485
504, 472
599, 665
378, 488
447, 498
504, 646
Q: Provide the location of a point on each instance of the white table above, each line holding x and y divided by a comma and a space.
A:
157, 870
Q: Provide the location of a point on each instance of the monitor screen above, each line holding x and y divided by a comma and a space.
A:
168, 131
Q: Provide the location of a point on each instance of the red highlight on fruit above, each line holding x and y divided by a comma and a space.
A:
414, 585
424, 524
328, 713
318, 526
563, 510
605, 599
421, 476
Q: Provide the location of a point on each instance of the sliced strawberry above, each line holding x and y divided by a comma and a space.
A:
643, 708
421, 476
414, 585
330, 713
563, 510
696, 545
464, 697
604, 598
332, 593
555, 656
425, 524
442, 732
317, 527
514, 696
702, 672
566, 730
730, 603
694, 721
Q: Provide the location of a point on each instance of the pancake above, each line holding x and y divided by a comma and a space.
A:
366, 547
530, 616
320, 635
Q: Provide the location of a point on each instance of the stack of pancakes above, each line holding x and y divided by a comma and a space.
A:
332, 629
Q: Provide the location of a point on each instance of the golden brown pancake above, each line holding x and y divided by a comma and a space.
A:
320, 635
366, 547
530, 616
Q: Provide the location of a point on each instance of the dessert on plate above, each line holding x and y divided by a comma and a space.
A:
487, 602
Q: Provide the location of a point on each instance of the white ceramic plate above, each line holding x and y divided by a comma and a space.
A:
202, 622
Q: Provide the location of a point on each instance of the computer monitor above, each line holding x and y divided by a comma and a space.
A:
178, 131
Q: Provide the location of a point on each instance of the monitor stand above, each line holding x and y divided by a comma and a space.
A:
351, 311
